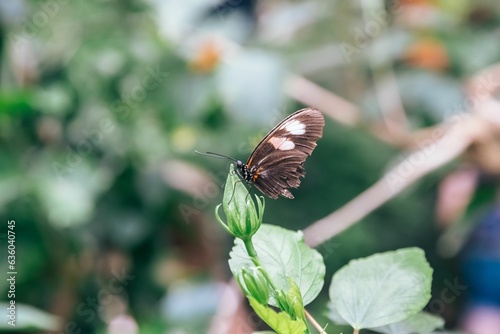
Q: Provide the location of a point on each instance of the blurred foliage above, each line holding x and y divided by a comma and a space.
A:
102, 104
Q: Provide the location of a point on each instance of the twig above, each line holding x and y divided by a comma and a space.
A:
384, 79
444, 150
340, 110
311, 94
454, 140
314, 322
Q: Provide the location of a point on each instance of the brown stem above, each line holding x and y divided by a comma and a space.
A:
314, 322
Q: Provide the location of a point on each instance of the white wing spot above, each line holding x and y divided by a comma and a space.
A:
287, 145
282, 144
276, 141
295, 127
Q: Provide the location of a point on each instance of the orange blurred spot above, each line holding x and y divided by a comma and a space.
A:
207, 58
429, 54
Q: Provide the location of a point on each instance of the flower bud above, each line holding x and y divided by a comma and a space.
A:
254, 284
290, 301
244, 218
283, 303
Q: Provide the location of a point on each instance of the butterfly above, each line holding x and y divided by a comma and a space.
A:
277, 163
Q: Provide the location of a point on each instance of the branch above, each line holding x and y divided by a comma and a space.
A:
393, 183
314, 322
332, 105
444, 144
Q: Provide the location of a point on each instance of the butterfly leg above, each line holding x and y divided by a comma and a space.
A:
234, 190
249, 191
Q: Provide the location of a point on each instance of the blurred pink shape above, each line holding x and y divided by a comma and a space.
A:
482, 320
123, 324
455, 193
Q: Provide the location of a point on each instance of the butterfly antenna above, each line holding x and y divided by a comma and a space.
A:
215, 155
221, 156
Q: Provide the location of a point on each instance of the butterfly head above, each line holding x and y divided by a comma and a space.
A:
244, 172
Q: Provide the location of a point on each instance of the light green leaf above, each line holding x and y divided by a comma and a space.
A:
281, 322
55, 99
283, 255
176, 18
420, 323
334, 316
382, 289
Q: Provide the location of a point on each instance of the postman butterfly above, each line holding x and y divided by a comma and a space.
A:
277, 163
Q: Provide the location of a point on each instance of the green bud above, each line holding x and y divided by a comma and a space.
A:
283, 303
290, 301
253, 283
244, 218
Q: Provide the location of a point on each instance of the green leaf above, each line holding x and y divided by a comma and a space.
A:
382, 289
420, 323
29, 318
334, 316
281, 322
283, 255
16, 103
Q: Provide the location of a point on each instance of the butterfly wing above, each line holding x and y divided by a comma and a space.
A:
277, 162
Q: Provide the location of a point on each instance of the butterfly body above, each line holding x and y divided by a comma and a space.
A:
243, 171
277, 162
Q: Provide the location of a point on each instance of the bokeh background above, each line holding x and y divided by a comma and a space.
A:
103, 102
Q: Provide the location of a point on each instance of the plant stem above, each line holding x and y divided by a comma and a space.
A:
356, 331
252, 252
256, 261
314, 322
